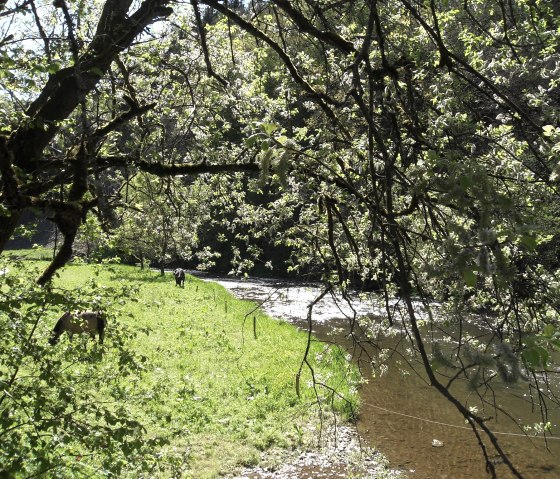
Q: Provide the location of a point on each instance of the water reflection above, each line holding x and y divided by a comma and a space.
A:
401, 414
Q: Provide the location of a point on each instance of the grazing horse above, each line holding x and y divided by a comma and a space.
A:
79, 322
179, 277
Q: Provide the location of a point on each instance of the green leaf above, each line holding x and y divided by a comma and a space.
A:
250, 142
536, 356
531, 356
268, 128
469, 277
433, 155
530, 341
96, 71
544, 355
465, 181
548, 130
505, 201
530, 242
53, 68
549, 331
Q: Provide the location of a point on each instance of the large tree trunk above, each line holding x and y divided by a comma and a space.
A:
62, 257
8, 224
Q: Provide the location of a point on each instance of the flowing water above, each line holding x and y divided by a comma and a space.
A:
418, 429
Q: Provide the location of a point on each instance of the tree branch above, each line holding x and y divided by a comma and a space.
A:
160, 169
306, 26
69, 86
204, 44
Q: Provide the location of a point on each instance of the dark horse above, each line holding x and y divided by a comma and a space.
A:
179, 277
79, 322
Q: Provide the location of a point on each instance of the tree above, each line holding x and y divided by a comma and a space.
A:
51, 150
170, 211
74, 132
61, 405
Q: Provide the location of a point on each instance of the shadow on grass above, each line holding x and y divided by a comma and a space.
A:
27, 255
145, 276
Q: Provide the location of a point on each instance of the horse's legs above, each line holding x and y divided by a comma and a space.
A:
101, 329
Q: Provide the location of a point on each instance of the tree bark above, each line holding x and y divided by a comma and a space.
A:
8, 224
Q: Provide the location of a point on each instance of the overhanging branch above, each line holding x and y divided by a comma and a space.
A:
161, 169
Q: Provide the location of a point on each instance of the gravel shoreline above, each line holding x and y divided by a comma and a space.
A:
340, 455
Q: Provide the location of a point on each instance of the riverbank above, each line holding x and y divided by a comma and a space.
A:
216, 384
399, 412
340, 455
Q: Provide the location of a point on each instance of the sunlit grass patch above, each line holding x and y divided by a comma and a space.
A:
196, 374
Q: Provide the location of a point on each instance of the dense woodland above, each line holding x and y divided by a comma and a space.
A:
406, 146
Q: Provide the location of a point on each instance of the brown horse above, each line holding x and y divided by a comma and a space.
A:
79, 322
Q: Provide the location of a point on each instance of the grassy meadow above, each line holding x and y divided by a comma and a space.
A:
211, 391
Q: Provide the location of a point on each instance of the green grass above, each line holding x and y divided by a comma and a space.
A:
220, 395
36, 253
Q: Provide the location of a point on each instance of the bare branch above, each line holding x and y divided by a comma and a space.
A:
204, 45
306, 26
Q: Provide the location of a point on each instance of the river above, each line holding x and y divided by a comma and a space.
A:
403, 416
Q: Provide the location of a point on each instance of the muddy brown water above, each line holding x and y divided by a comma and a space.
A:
402, 416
